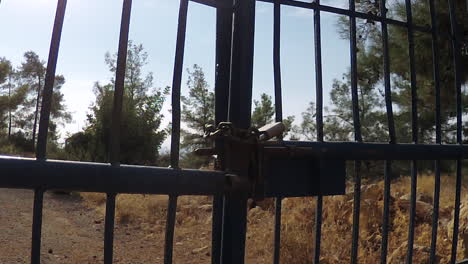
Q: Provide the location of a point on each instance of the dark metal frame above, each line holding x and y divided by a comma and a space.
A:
233, 87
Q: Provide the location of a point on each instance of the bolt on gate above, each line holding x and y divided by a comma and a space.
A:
247, 166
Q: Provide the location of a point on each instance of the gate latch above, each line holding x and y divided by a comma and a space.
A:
241, 151
272, 168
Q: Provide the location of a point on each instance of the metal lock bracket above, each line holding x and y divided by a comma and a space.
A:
274, 168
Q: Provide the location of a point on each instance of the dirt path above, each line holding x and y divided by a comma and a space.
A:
72, 233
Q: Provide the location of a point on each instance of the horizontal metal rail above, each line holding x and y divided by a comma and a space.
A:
368, 151
349, 13
24, 173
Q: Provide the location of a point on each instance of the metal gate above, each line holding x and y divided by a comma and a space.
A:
318, 166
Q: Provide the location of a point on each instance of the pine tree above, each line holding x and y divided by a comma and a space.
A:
370, 63
31, 76
197, 110
197, 113
141, 135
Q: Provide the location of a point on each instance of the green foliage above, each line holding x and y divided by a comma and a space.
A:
20, 104
370, 61
197, 113
338, 119
31, 76
263, 111
307, 129
140, 133
197, 110
5, 69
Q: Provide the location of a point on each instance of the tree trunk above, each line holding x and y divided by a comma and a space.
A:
36, 114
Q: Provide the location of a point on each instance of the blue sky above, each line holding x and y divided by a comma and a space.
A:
91, 28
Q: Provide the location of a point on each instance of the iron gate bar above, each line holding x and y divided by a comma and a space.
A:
43, 127
367, 151
222, 81
357, 133
213, 3
386, 211
176, 83
49, 80
277, 61
436, 74
349, 13
239, 113
278, 116
109, 228
277, 231
391, 133
114, 153
37, 226
175, 130
458, 71
170, 228
414, 130
104, 178
319, 122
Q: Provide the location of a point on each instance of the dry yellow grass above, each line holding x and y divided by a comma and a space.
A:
298, 224
194, 214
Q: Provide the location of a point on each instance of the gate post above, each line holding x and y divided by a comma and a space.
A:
223, 70
239, 113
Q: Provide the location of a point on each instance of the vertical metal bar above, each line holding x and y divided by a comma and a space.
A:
318, 72
240, 91
415, 129
109, 229
456, 214
435, 212
223, 70
386, 211
277, 241
318, 228
234, 229
356, 211
176, 83
391, 132
278, 114
217, 229
455, 38
114, 150
276, 59
388, 91
240, 106
49, 80
354, 83
37, 226
414, 177
175, 135
357, 132
170, 226
435, 63
436, 72
319, 121
223, 60
458, 81
43, 127
114, 153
